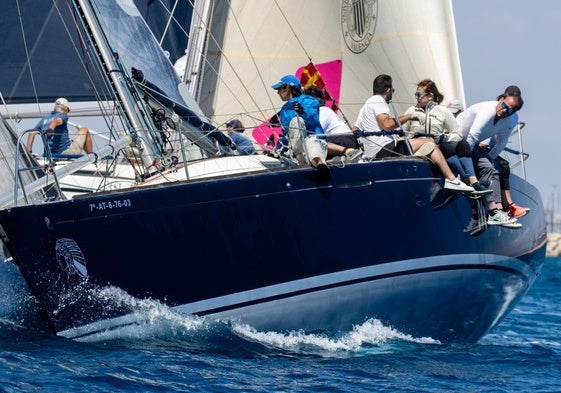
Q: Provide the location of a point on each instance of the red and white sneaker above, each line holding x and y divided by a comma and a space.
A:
516, 211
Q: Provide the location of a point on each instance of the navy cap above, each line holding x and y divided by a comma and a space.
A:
236, 125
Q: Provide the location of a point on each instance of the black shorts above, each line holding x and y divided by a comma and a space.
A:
348, 141
394, 148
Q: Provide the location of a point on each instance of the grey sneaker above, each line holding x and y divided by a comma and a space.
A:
475, 227
484, 183
481, 189
338, 161
457, 185
501, 218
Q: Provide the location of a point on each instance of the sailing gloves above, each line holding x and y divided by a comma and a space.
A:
297, 107
416, 116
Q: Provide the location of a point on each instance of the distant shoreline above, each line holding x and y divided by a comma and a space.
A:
553, 245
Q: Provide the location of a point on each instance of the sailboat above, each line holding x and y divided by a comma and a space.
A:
254, 238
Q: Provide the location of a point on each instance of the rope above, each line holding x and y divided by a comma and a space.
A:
170, 19
265, 85
27, 52
293, 32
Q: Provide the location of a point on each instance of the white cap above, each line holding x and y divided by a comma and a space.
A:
62, 103
455, 106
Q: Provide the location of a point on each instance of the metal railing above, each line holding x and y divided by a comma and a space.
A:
519, 154
52, 176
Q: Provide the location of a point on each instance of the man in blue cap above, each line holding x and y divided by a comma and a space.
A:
299, 118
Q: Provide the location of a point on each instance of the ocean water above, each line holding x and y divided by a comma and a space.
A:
173, 353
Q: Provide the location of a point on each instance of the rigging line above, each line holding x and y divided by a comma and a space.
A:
8, 112
202, 134
207, 29
265, 86
293, 32
3, 154
406, 141
171, 17
28, 57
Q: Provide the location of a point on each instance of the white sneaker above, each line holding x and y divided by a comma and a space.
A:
457, 185
501, 218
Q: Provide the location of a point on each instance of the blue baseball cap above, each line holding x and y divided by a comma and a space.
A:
290, 80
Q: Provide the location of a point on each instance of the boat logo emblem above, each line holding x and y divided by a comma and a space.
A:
358, 22
70, 257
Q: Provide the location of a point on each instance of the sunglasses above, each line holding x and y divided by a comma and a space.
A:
420, 95
507, 108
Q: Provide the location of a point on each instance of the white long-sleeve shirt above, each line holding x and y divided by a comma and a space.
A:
477, 124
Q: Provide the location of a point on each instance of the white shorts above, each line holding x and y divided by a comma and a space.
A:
76, 145
305, 148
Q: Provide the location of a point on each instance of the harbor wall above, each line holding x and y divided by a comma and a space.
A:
553, 245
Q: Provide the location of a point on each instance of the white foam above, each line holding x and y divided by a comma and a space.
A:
370, 333
151, 318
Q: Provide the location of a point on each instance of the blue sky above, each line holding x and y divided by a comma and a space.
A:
517, 42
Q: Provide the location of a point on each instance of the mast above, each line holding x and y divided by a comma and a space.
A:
126, 94
196, 45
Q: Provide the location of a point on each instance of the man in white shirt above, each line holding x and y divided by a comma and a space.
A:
492, 119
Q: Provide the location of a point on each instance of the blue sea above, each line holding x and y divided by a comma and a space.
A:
174, 353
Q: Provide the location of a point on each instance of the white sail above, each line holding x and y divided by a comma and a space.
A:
264, 40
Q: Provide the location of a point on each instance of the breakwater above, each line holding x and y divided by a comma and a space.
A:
553, 245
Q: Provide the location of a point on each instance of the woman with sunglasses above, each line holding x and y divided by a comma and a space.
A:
496, 120
435, 121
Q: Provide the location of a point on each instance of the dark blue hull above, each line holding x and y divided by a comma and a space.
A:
282, 251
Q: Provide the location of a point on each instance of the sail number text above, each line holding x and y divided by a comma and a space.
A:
110, 205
